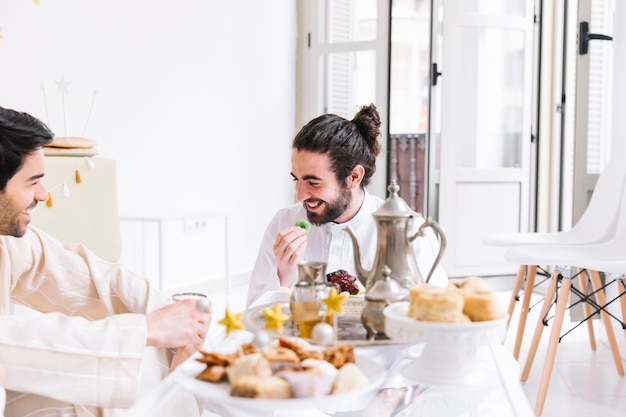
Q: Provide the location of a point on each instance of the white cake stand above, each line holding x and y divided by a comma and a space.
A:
450, 354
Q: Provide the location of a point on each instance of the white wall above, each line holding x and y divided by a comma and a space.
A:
195, 99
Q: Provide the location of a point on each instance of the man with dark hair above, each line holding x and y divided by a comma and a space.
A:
102, 335
332, 161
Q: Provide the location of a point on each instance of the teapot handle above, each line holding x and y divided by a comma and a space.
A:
442, 241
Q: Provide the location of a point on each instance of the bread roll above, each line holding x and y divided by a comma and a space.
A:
482, 306
430, 303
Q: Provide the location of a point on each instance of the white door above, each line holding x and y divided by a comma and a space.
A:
344, 63
483, 154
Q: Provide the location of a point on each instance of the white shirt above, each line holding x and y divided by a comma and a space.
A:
332, 244
89, 345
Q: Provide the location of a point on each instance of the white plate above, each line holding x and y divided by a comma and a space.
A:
450, 354
220, 392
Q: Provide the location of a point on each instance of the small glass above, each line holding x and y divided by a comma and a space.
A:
203, 303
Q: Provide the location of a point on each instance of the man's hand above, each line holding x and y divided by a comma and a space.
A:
177, 324
181, 355
290, 243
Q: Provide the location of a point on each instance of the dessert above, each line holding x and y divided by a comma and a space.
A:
255, 386
278, 371
254, 364
462, 301
301, 347
430, 303
304, 224
343, 281
482, 306
281, 357
349, 378
213, 373
339, 355
469, 284
307, 381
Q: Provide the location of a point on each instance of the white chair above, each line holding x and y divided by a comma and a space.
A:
597, 224
609, 257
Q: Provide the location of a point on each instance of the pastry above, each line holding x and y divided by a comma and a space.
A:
339, 355
307, 381
430, 303
482, 306
301, 347
349, 378
281, 357
256, 386
463, 300
213, 373
469, 284
254, 364
323, 366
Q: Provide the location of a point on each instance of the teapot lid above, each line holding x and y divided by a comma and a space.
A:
386, 289
394, 205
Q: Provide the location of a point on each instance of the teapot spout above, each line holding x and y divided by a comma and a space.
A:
361, 273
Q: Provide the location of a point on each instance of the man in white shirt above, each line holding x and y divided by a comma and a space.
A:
333, 160
101, 335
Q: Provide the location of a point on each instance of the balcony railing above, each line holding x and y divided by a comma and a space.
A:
407, 167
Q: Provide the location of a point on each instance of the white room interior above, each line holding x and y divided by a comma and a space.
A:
194, 103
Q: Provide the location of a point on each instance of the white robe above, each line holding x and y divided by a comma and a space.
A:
82, 351
332, 244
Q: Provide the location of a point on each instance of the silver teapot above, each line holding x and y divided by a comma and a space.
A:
384, 292
394, 222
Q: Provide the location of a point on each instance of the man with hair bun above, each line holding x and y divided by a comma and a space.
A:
332, 161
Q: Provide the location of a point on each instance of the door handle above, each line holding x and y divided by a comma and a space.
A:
584, 37
435, 74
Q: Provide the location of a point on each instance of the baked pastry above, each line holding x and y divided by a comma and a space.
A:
339, 355
254, 364
212, 373
431, 303
323, 366
281, 357
301, 347
307, 381
214, 358
469, 284
349, 378
463, 300
255, 386
482, 306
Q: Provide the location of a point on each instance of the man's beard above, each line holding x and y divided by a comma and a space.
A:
333, 209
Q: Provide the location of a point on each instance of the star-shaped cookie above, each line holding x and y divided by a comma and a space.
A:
275, 318
232, 321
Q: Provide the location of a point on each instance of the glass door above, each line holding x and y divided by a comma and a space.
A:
344, 63
486, 106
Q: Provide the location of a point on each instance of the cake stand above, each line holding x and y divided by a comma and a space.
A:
450, 353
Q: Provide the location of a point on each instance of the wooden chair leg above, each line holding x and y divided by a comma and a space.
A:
587, 311
517, 286
553, 342
521, 325
606, 320
534, 344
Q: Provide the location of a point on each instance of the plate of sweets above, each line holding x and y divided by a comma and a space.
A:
453, 323
283, 373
